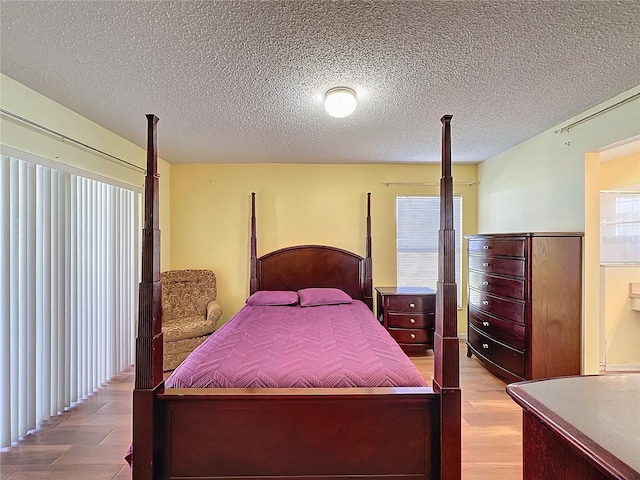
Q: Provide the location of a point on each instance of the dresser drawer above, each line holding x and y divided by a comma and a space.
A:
509, 358
509, 333
506, 287
502, 266
409, 336
410, 303
506, 248
406, 320
507, 309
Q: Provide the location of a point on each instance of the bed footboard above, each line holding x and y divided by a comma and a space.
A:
369, 433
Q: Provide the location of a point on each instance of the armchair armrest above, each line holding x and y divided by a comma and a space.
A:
214, 312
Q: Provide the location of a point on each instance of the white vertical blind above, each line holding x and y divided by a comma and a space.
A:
417, 226
68, 271
5, 295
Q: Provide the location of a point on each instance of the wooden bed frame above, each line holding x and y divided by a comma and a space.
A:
306, 266
297, 433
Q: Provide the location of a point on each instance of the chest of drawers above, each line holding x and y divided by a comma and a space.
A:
525, 304
408, 314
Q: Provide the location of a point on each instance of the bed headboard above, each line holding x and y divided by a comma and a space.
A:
305, 266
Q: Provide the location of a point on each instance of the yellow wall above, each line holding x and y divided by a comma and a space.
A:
22, 101
208, 205
620, 172
591, 268
295, 204
620, 325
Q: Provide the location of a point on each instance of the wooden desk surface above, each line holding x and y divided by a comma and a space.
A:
599, 415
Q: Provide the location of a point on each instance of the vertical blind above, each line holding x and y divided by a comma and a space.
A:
417, 226
68, 274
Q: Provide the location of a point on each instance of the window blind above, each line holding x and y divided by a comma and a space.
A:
68, 274
417, 226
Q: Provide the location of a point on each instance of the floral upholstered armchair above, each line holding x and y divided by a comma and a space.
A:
189, 312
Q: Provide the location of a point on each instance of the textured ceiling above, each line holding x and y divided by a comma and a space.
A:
244, 81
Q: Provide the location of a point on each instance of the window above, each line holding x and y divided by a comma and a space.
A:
418, 223
619, 227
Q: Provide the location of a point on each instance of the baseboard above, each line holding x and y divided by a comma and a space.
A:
622, 367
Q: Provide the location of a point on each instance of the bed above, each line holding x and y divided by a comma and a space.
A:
320, 338
295, 432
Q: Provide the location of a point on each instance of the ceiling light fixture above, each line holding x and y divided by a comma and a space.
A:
340, 102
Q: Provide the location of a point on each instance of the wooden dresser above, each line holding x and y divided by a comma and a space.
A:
525, 304
408, 313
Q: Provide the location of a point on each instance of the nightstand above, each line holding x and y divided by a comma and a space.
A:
408, 314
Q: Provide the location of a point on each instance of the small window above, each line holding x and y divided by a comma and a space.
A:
619, 227
418, 223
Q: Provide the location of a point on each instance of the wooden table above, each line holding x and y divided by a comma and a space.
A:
583, 427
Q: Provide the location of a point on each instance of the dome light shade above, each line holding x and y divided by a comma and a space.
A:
340, 102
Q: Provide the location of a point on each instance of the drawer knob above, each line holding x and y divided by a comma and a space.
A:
485, 264
412, 305
485, 324
485, 302
485, 283
485, 247
485, 346
413, 335
412, 320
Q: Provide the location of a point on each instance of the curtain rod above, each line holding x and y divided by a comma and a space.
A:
623, 192
423, 184
65, 137
599, 112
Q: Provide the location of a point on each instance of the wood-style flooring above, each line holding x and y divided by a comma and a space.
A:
88, 441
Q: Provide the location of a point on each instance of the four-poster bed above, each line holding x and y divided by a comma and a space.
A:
363, 432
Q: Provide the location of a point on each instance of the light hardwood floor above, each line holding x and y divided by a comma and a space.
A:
88, 441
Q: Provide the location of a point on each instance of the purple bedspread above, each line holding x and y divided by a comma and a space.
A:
292, 346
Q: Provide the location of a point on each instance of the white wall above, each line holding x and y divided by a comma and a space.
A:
539, 185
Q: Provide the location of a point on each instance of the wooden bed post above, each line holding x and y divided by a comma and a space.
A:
149, 340
446, 362
368, 266
253, 280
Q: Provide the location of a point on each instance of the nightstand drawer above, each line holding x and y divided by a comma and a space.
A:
406, 320
501, 266
409, 336
410, 303
506, 248
507, 287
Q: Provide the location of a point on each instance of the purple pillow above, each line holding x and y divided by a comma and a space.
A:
273, 297
312, 297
